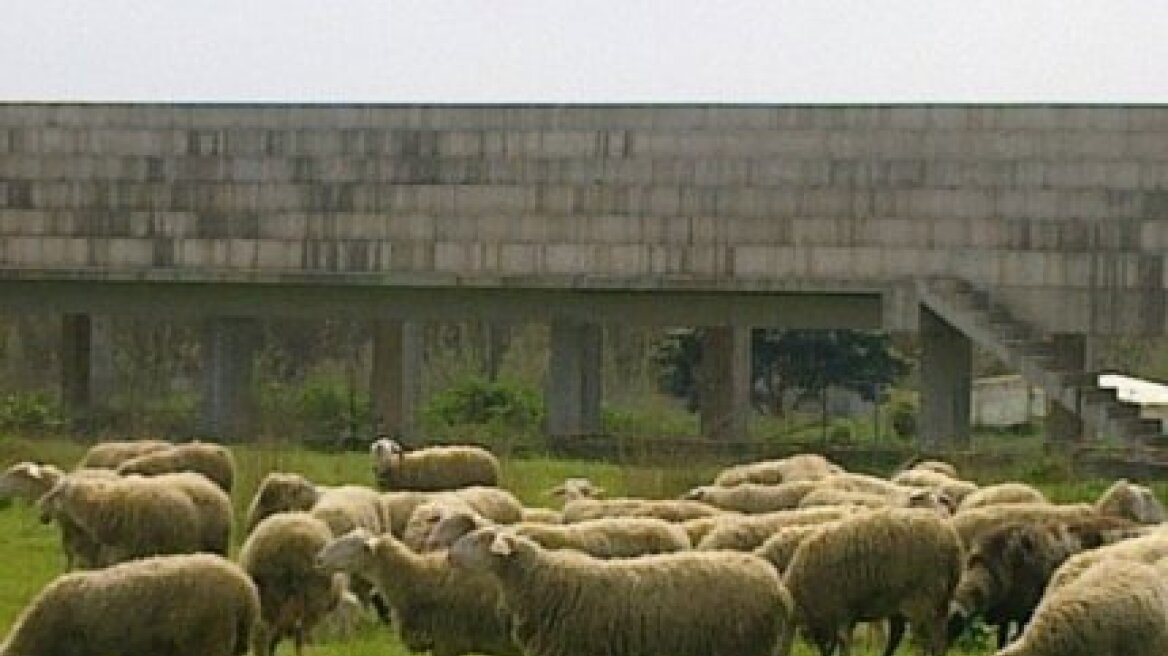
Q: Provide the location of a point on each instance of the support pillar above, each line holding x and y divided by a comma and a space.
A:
724, 382
946, 379
1062, 425
395, 382
228, 407
86, 366
573, 379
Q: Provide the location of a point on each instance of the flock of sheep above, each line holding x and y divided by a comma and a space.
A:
457, 565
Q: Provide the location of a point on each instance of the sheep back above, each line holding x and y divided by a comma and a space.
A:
108, 455
1002, 494
802, 466
280, 492
753, 498
193, 605
211, 460
978, 521
667, 509
748, 532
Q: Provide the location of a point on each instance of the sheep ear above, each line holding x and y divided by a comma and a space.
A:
557, 491
502, 545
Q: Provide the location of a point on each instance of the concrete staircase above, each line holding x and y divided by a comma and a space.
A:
1032, 353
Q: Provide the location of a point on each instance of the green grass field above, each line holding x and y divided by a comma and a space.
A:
30, 555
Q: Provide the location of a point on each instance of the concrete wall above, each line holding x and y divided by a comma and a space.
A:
1063, 210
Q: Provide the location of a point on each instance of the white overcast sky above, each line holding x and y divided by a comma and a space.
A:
585, 50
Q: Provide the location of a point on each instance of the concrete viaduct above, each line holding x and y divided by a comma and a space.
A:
1024, 229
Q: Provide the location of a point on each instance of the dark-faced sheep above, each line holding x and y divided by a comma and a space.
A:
211, 460
435, 607
565, 603
433, 468
280, 557
1117, 607
196, 605
889, 564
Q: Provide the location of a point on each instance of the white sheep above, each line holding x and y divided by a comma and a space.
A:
1002, 494
753, 498
888, 564
577, 488
280, 557
433, 468
435, 608
799, 467
193, 605
1117, 607
108, 455
672, 510
565, 603
1146, 549
211, 460
612, 537
747, 532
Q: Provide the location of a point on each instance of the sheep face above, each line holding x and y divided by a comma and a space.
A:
449, 529
573, 489
482, 550
346, 553
28, 480
696, 494
385, 453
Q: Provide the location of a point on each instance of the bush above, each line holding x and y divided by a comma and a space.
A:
36, 412
324, 409
503, 406
904, 420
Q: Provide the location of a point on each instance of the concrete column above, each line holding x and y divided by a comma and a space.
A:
395, 382
86, 365
573, 379
228, 407
946, 378
724, 383
1063, 425
76, 346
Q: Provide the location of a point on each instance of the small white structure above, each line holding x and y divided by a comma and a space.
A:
1005, 401
1152, 397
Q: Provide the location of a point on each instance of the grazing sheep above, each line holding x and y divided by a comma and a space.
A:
1147, 548
780, 548
565, 603
1002, 494
280, 492
830, 497
127, 518
888, 564
435, 607
955, 489
280, 557
1135, 502
612, 537
542, 516
346, 507
577, 488
1005, 575
211, 460
864, 484
938, 466
748, 532
433, 468
31, 481
398, 507
799, 467
753, 498
498, 506
108, 455
671, 510
212, 505
195, 605
1116, 608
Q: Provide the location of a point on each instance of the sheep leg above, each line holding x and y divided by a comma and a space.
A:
896, 626
1003, 634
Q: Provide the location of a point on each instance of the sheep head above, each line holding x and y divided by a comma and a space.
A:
348, 552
